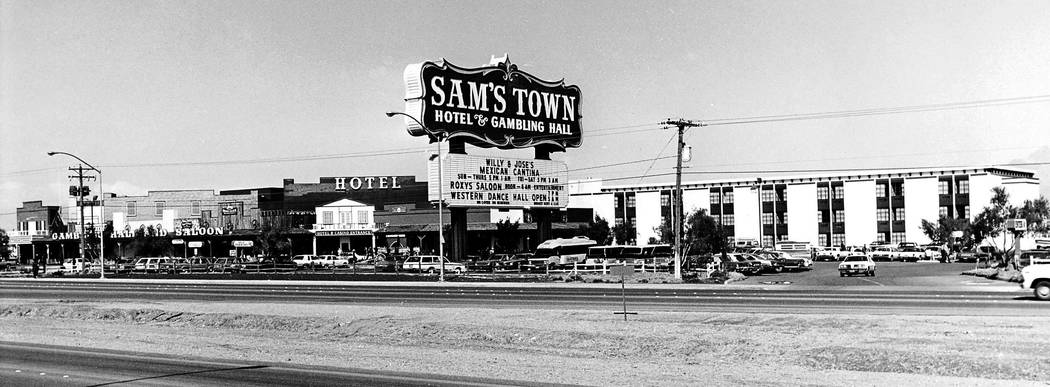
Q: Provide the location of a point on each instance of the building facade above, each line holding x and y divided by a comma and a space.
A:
826, 210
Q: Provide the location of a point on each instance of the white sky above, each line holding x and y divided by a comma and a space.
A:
127, 83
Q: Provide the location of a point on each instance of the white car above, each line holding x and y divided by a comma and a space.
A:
330, 261
302, 260
857, 264
432, 264
1037, 278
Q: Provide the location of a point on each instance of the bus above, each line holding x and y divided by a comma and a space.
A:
564, 251
794, 249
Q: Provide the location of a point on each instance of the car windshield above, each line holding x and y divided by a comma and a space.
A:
856, 258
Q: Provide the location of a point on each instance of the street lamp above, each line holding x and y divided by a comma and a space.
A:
441, 193
102, 217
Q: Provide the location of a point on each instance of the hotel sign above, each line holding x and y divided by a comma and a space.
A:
494, 106
479, 181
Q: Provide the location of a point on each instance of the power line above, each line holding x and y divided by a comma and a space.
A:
879, 111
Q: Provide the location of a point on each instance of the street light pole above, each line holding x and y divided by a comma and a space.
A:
102, 216
441, 193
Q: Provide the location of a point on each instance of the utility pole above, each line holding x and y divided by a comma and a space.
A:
80, 203
676, 210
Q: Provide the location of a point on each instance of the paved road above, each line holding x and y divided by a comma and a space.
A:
1002, 300
45, 365
887, 274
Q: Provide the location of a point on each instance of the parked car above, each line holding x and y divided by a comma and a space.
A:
741, 264
883, 253
75, 265
199, 265
910, 254
303, 260
228, 265
269, 265
788, 262
516, 263
533, 264
857, 264
432, 264
768, 263
488, 264
330, 261
151, 265
1034, 257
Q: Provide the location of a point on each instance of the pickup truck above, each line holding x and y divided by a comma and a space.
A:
1037, 278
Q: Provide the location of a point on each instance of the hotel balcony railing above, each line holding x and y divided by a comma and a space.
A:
34, 233
345, 226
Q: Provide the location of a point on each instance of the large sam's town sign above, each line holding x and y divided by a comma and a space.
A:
493, 106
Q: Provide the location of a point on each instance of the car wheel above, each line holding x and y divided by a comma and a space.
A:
842, 274
778, 269
458, 271
431, 271
873, 273
1042, 290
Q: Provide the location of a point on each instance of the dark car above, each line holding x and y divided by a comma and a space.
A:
488, 265
742, 264
279, 264
199, 265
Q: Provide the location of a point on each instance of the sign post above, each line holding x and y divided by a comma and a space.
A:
623, 271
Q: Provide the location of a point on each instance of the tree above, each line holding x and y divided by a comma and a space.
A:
506, 236
941, 232
704, 235
991, 221
272, 241
597, 230
624, 233
664, 232
5, 250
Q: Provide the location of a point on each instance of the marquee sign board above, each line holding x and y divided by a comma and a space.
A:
489, 181
494, 106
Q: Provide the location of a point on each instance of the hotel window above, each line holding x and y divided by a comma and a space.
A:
195, 207
717, 218
340, 183
942, 187
782, 195
782, 237
714, 197
346, 217
898, 189
882, 215
964, 186
840, 216
784, 218
767, 218
767, 240
898, 214
898, 237
728, 220
634, 222
618, 221
327, 217
880, 237
880, 190
838, 240
630, 201
822, 193
943, 212
727, 197
767, 195
131, 209
822, 239
966, 212
160, 208
362, 217
665, 200
838, 192
820, 218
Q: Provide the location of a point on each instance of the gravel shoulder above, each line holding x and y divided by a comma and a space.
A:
578, 347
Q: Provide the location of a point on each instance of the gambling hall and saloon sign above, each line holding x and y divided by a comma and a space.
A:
494, 106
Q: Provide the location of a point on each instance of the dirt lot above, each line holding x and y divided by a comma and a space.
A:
582, 347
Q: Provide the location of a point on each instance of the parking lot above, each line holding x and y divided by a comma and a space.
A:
886, 274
